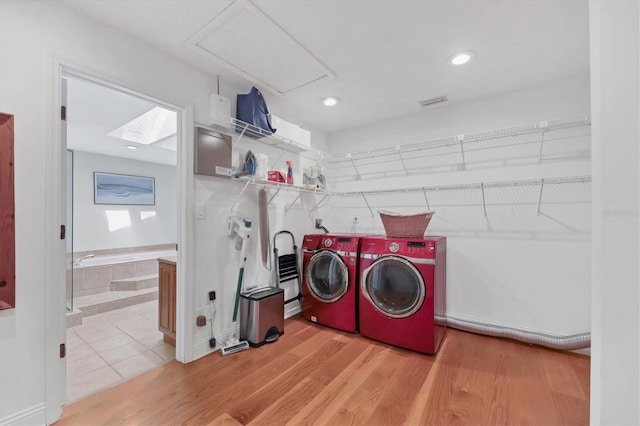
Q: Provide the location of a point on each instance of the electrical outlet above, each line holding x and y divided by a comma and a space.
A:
201, 321
212, 296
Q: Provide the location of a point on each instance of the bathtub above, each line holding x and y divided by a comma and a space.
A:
112, 259
125, 270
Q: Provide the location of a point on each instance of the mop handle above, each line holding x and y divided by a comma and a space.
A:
243, 261
239, 289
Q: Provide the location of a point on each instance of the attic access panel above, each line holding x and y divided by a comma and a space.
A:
251, 44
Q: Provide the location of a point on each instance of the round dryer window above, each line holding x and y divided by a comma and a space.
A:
327, 276
394, 286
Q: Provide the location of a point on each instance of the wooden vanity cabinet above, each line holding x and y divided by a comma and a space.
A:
167, 300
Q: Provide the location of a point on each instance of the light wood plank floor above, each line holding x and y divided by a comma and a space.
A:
316, 375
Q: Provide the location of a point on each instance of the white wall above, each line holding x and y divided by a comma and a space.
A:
91, 226
514, 267
218, 267
32, 36
561, 99
615, 71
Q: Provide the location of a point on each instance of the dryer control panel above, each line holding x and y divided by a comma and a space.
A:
419, 248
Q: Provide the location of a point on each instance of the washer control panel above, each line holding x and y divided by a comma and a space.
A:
340, 243
411, 247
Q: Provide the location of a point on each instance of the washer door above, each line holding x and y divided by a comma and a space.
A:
393, 286
327, 276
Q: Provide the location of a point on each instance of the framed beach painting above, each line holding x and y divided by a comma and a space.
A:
110, 188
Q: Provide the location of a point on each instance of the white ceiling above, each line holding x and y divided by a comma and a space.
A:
384, 55
94, 111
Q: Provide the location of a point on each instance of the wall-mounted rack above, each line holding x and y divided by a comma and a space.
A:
476, 194
277, 187
491, 193
543, 141
232, 126
538, 142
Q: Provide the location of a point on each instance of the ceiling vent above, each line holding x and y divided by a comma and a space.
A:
433, 101
245, 40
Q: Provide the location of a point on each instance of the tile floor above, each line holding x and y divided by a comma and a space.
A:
113, 347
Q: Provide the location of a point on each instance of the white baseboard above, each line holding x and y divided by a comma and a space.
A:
292, 310
201, 347
36, 415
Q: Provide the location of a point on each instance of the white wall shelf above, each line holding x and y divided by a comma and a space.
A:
232, 126
535, 193
542, 141
276, 187
532, 192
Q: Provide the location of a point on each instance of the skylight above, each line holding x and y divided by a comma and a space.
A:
152, 126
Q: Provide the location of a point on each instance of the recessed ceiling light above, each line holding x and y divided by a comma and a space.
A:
132, 147
330, 101
461, 58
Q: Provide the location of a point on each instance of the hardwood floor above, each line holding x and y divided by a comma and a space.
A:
316, 375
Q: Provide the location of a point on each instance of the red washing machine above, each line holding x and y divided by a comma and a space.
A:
330, 287
402, 291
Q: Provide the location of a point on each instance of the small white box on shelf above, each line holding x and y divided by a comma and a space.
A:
219, 110
285, 129
304, 138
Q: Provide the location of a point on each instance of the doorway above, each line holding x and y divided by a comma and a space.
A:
122, 180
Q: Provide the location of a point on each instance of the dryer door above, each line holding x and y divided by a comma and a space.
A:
393, 286
327, 276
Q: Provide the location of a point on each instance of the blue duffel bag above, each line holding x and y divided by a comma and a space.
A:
252, 109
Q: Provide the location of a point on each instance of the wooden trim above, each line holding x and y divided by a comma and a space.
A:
7, 215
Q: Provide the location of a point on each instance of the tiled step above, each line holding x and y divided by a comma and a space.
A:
74, 318
109, 301
135, 283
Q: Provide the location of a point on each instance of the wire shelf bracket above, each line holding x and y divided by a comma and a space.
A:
286, 210
540, 196
484, 203
318, 204
461, 140
426, 200
244, 188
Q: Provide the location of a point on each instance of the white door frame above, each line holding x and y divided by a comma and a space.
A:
55, 208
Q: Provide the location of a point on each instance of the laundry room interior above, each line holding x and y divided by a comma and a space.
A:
439, 197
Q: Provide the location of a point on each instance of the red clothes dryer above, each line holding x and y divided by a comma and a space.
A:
330, 287
402, 298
